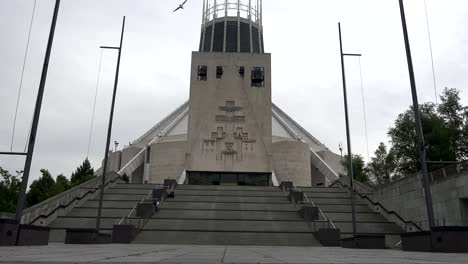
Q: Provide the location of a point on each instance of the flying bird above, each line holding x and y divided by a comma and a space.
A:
181, 6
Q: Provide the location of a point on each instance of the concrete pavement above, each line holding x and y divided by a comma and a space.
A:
60, 253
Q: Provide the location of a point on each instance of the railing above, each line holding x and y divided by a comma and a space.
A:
242, 8
141, 222
310, 202
453, 170
405, 223
46, 211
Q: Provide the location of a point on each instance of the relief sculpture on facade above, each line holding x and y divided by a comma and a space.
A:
230, 143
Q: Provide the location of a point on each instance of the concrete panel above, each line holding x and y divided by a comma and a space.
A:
291, 162
8, 228
33, 235
167, 161
128, 154
230, 121
114, 161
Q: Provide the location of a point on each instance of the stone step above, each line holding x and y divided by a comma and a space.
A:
367, 217
226, 238
231, 199
227, 225
84, 222
230, 193
228, 188
343, 208
124, 197
369, 228
327, 194
227, 215
322, 189
228, 206
135, 186
92, 212
330, 200
140, 191
111, 204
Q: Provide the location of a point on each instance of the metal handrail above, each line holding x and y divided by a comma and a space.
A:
147, 197
313, 204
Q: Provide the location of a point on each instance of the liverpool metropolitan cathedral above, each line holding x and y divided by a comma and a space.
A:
229, 132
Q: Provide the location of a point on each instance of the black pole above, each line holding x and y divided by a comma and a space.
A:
348, 137
417, 118
109, 132
35, 122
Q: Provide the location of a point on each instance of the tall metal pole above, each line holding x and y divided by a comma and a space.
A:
417, 119
109, 131
35, 122
348, 136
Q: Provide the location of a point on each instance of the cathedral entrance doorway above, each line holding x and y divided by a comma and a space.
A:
229, 179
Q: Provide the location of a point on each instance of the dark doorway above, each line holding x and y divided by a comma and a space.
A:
229, 179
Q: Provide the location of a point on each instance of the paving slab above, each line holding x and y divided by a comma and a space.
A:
116, 253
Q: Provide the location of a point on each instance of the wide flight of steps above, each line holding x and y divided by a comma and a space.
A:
336, 205
118, 202
228, 215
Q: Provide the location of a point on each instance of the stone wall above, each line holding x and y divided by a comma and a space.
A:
167, 161
47, 211
406, 197
291, 162
113, 162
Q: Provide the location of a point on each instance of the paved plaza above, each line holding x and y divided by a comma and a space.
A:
60, 253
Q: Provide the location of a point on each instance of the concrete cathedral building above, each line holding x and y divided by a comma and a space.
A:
227, 147
229, 132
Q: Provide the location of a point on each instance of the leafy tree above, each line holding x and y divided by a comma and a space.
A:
452, 112
382, 167
41, 189
404, 141
359, 173
9, 189
83, 173
61, 184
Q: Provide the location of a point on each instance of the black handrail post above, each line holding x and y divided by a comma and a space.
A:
35, 122
109, 130
417, 119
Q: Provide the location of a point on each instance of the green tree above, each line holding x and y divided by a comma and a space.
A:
41, 189
83, 173
9, 189
359, 173
61, 184
404, 141
381, 168
452, 112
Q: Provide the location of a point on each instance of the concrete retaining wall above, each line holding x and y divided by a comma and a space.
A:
44, 213
406, 197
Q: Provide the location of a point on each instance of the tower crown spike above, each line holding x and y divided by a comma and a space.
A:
232, 26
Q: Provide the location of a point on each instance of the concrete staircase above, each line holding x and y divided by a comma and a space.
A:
118, 202
228, 215
336, 205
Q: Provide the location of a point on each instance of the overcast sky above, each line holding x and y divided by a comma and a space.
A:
302, 36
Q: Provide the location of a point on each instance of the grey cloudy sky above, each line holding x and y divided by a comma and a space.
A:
301, 35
